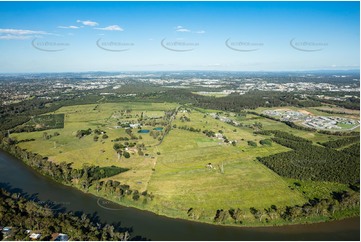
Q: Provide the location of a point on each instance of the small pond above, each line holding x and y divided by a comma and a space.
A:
143, 131
159, 128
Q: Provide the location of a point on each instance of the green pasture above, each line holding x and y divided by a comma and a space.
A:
175, 171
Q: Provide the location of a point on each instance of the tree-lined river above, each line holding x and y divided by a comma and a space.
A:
14, 174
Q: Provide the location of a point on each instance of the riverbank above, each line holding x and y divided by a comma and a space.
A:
46, 223
147, 225
251, 223
315, 211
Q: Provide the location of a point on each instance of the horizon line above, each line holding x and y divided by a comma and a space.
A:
184, 70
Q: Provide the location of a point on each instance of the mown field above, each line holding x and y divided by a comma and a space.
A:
187, 169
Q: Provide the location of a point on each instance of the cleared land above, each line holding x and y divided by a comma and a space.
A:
188, 169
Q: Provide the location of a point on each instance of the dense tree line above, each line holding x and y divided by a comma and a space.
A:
328, 132
353, 150
339, 202
62, 172
283, 135
331, 111
23, 214
341, 142
185, 127
310, 162
252, 100
233, 102
349, 103
120, 139
209, 133
20, 113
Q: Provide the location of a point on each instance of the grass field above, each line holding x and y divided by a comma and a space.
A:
182, 181
175, 171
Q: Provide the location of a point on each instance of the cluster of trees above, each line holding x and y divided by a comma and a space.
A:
185, 127
121, 149
341, 142
47, 136
124, 125
209, 133
98, 173
22, 214
130, 133
115, 188
155, 134
170, 113
104, 136
339, 202
252, 143
310, 162
184, 119
266, 142
82, 133
153, 122
124, 139
256, 126
99, 132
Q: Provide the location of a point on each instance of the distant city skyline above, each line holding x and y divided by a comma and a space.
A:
174, 36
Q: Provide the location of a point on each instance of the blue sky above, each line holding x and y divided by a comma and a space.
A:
137, 36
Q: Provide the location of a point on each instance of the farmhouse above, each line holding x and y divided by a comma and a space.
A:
133, 126
35, 236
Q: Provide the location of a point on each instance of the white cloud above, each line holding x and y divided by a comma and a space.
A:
10, 37
68, 27
19, 34
181, 29
112, 28
88, 22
